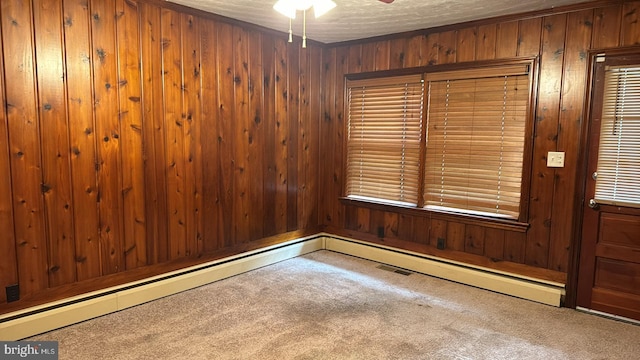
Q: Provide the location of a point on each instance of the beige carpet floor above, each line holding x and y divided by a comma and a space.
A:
326, 305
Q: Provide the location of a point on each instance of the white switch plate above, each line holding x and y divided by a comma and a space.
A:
555, 159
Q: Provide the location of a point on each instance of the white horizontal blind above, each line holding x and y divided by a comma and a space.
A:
475, 141
384, 133
618, 176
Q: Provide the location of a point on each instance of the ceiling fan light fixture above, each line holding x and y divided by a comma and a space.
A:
321, 7
286, 8
289, 8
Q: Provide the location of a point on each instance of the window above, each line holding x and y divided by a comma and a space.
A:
385, 132
618, 165
475, 143
453, 143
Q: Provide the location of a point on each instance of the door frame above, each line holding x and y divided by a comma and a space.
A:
583, 173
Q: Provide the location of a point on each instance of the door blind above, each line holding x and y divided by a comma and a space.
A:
475, 141
383, 140
618, 155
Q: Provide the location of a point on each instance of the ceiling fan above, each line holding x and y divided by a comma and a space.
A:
289, 8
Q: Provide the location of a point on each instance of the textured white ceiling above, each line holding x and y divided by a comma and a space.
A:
358, 19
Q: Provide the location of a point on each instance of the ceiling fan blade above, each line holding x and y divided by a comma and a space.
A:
387, 1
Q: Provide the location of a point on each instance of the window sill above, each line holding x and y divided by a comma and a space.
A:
496, 223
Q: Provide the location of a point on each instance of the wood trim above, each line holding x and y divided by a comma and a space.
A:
527, 161
460, 218
581, 183
427, 69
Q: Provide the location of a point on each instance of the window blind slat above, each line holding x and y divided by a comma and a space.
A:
618, 165
385, 127
475, 142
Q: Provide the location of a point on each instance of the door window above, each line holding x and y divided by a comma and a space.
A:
618, 157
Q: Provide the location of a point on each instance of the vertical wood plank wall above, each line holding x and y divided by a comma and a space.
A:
136, 133
561, 40
133, 133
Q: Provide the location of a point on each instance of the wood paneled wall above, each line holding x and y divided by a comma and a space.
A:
561, 40
137, 133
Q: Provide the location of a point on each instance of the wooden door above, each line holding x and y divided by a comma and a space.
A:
609, 272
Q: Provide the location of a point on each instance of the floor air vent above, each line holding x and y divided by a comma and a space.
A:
395, 270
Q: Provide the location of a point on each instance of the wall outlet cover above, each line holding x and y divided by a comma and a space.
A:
555, 159
13, 293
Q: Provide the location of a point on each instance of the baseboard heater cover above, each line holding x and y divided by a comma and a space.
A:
36, 320
28, 322
542, 291
608, 316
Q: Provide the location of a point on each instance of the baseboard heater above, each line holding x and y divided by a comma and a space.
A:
28, 322
542, 291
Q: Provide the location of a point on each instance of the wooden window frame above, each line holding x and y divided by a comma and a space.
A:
520, 224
